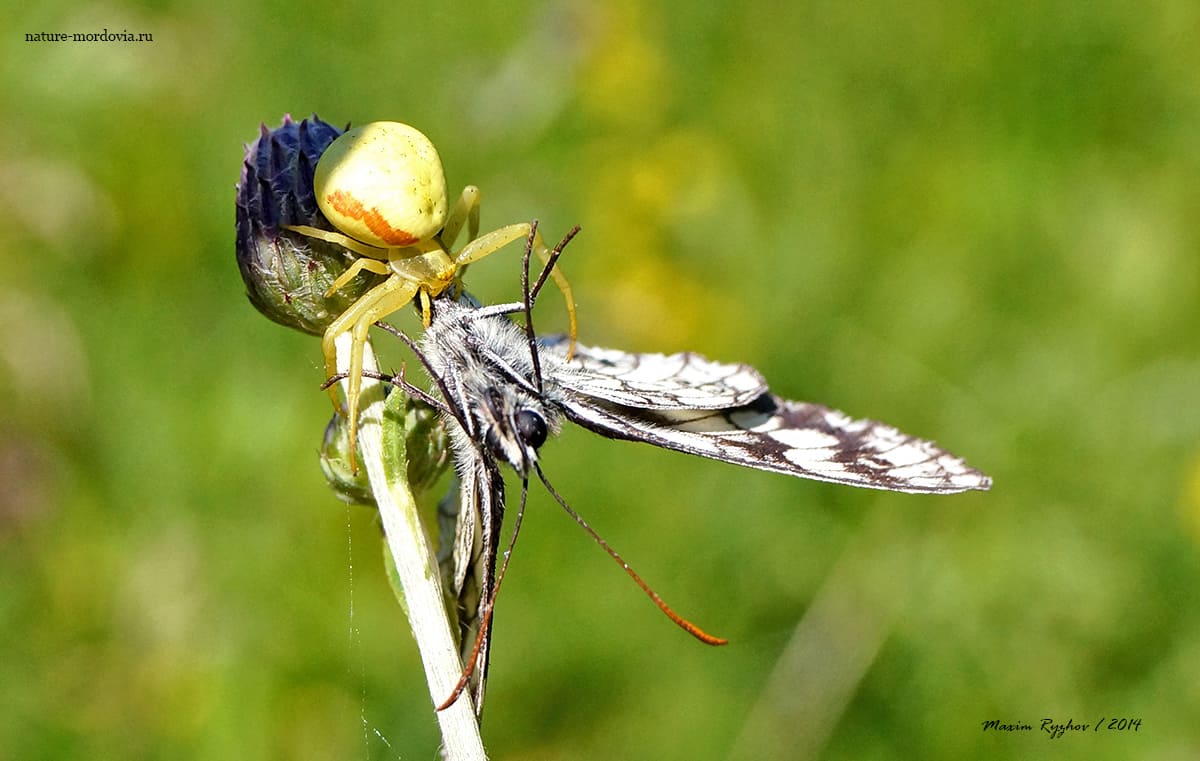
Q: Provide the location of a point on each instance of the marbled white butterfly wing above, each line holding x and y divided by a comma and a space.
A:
499, 407
656, 381
724, 412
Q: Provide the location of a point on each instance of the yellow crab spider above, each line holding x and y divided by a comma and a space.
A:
382, 186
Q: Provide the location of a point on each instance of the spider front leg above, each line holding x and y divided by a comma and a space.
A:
491, 242
346, 320
382, 300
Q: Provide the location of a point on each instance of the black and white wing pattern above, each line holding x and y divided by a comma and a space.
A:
474, 510
501, 404
656, 381
725, 412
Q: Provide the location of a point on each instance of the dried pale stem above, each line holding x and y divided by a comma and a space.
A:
417, 570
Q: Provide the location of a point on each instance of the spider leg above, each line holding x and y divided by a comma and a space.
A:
393, 299
339, 239
379, 302
404, 265
426, 307
466, 209
372, 265
491, 242
560, 280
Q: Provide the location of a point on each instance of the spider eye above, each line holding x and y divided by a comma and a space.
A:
531, 427
383, 184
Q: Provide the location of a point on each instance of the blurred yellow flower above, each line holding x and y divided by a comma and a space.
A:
1189, 504
628, 79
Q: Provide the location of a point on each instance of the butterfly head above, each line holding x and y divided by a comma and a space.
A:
514, 426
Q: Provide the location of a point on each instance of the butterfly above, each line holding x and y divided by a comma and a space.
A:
503, 392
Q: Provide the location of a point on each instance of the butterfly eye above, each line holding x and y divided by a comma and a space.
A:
531, 427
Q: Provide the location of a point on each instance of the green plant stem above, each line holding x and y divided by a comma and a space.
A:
417, 570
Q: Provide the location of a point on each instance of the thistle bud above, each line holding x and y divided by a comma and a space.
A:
288, 273
349, 484
410, 425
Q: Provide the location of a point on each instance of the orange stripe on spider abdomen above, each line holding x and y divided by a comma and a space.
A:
350, 206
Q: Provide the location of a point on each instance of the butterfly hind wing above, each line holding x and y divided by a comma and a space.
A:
775, 434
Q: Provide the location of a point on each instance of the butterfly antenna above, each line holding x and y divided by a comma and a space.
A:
555, 253
679, 620
437, 379
485, 621
529, 295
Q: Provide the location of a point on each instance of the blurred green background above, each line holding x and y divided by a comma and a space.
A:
976, 221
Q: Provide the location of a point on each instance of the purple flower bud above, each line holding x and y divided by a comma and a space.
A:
287, 273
